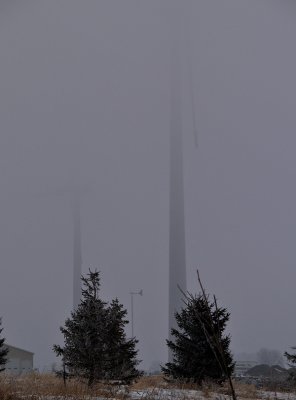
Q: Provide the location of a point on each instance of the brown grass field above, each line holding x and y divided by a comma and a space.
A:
46, 386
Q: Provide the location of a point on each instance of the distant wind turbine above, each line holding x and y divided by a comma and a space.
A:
77, 252
74, 194
177, 247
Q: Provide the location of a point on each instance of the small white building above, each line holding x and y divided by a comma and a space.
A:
19, 361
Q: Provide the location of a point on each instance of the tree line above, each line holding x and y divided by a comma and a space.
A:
97, 349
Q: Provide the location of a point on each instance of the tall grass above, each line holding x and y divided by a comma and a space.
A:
35, 386
42, 386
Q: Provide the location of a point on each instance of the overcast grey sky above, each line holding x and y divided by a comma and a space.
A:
84, 99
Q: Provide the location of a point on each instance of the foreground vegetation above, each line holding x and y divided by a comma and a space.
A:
100, 362
96, 346
48, 386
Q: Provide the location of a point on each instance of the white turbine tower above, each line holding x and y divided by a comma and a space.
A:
77, 253
73, 194
177, 247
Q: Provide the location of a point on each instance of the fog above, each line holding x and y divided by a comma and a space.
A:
84, 102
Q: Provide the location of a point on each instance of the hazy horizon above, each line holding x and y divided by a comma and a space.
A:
84, 101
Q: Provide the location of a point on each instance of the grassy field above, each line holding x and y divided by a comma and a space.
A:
48, 387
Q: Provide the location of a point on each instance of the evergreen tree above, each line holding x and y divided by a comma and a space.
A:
3, 351
197, 355
95, 346
120, 352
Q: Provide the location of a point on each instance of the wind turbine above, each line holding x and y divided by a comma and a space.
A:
74, 194
77, 252
177, 246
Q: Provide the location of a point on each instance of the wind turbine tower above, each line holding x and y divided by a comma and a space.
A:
73, 194
177, 256
77, 258
177, 248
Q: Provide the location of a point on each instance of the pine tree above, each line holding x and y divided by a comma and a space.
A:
3, 351
95, 346
195, 358
121, 352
